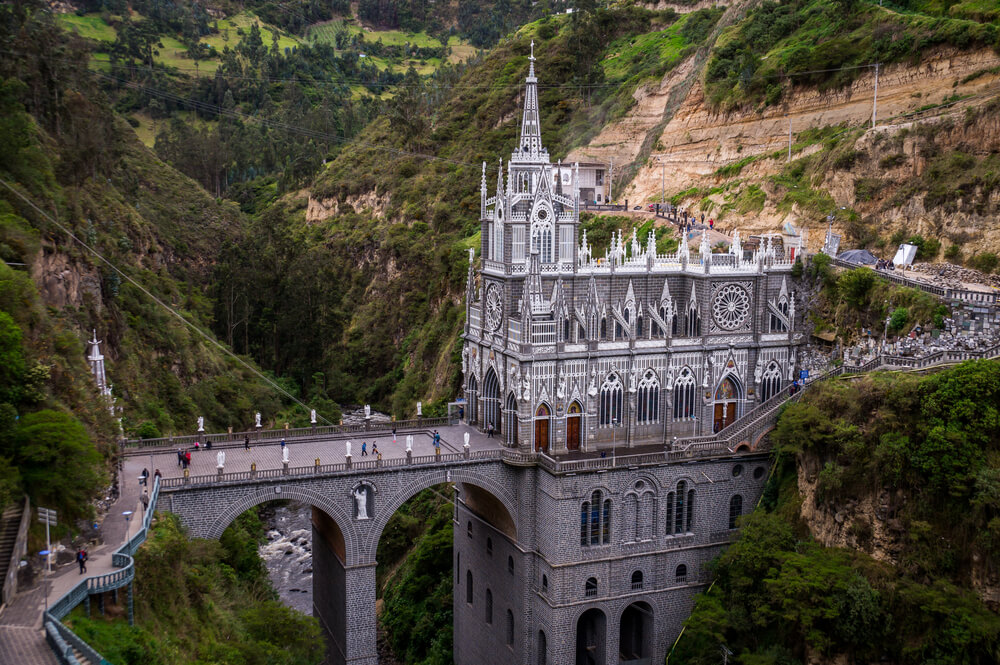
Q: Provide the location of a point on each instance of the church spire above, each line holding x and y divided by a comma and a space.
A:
531, 136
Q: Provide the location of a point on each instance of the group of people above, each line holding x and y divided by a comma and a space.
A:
364, 449
882, 264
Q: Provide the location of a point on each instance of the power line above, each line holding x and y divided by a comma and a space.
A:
159, 302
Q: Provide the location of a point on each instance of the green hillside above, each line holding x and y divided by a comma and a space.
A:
929, 447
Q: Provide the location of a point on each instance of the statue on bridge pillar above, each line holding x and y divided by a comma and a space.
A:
257, 420
312, 417
361, 502
220, 459
409, 443
201, 424
348, 444
284, 455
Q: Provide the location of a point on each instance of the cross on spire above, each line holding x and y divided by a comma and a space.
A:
531, 137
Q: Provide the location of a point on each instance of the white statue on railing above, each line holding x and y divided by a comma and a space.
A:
220, 459
368, 411
257, 420
361, 502
348, 446
201, 424
312, 416
284, 455
409, 443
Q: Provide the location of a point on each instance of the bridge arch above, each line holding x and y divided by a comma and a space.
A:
261, 495
368, 550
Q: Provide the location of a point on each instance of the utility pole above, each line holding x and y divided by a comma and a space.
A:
611, 182
663, 176
875, 97
789, 138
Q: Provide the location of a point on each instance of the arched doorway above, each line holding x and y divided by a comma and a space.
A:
542, 419
574, 417
590, 638
635, 634
491, 401
510, 416
728, 396
471, 396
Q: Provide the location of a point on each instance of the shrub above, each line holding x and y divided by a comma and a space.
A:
900, 316
147, 430
953, 254
984, 261
855, 285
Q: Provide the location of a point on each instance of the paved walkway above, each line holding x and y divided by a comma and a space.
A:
22, 640
304, 451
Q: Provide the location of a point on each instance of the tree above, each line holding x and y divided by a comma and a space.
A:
59, 465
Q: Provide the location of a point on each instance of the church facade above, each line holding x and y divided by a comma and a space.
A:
565, 350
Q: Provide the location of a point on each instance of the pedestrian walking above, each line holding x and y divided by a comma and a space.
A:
364, 448
246, 442
489, 430
187, 459
711, 224
437, 439
81, 558
374, 448
282, 444
145, 500
144, 476
180, 457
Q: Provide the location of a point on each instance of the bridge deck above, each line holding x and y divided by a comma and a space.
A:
304, 451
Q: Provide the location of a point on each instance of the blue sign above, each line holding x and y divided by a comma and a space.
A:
803, 374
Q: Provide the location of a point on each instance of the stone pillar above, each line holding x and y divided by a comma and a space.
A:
360, 642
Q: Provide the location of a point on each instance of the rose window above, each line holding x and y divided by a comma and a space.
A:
731, 307
494, 307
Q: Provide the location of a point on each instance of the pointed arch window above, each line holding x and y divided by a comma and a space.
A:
595, 520
684, 395
612, 393
770, 383
648, 402
468, 587
681, 574
693, 320
777, 325
604, 328
510, 421
670, 513
489, 606
679, 508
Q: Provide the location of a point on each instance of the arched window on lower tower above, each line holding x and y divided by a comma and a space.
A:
735, 510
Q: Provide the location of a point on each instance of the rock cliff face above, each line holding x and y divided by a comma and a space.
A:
696, 141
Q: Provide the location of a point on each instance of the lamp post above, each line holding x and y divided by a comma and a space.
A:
45, 582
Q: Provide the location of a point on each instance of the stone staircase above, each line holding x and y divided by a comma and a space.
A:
10, 520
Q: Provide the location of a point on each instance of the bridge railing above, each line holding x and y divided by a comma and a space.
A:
60, 638
237, 438
746, 429
984, 298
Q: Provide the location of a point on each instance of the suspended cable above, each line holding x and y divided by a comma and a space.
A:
159, 302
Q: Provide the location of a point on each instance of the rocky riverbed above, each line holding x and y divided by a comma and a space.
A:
287, 554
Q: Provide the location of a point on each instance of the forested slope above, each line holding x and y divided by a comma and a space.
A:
877, 538
71, 166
